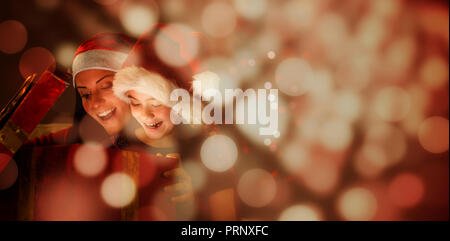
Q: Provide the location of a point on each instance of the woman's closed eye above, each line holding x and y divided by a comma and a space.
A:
85, 95
106, 85
135, 104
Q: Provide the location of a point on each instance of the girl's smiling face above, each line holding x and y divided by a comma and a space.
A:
99, 101
152, 115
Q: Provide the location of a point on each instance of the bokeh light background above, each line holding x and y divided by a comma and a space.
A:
363, 95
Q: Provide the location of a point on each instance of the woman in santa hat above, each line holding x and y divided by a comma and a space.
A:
94, 65
99, 115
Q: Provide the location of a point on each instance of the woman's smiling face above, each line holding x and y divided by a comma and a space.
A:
151, 114
99, 101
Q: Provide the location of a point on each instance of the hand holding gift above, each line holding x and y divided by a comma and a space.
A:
182, 190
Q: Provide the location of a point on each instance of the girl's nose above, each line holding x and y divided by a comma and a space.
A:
149, 113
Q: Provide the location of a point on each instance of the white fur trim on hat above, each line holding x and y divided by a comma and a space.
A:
144, 81
98, 59
156, 86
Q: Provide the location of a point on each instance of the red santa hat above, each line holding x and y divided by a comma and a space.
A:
106, 51
145, 72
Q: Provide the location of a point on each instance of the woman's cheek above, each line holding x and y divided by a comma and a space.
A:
124, 110
112, 98
87, 107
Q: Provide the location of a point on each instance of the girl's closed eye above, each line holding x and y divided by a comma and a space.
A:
154, 103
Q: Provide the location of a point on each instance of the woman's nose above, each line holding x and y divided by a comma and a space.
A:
97, 101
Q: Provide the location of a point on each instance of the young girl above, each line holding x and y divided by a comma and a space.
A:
147, 93
146, 82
